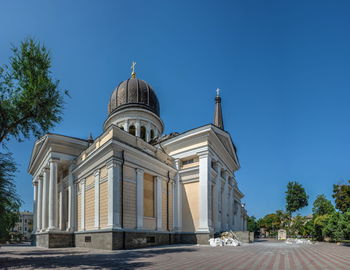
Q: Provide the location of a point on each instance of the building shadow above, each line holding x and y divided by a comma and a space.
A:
61, 258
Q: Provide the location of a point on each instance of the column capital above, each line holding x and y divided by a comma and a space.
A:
139, 171
113, 163
83, 181
97, 173
54, 160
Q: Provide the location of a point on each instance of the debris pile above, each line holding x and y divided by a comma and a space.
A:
298, 241
225, 239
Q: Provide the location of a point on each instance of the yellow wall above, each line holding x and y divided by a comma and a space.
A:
190, 206
149, 192
103, 204
103, 172
89, 180
129, 173
129, 204
90, 209
149, 223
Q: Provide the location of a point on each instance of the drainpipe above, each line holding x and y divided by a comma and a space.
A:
122, 198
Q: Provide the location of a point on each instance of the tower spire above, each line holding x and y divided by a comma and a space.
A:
218, 120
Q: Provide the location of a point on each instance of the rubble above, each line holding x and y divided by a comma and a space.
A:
298, 241
226, 239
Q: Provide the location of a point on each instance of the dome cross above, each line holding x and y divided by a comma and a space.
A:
133, 74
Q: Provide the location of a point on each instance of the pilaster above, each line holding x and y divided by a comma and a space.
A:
204, 178
139, 198
159, 201
53, 195
114, 181
97, 199
82, 197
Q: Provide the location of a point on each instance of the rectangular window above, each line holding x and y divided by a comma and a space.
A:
188, 161
148, 195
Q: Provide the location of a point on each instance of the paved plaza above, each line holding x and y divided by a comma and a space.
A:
259, 255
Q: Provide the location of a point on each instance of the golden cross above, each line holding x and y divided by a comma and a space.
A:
133, 67
217, 92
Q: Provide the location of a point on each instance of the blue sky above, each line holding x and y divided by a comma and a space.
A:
283, 67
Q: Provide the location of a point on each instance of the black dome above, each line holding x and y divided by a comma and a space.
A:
133, 93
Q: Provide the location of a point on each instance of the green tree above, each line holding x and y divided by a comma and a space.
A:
322, 206
320, 223
297, 225
334, 227
341, 194
296, 197
252, 224
30, 102
9, 201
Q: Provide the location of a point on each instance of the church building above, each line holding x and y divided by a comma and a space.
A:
133, 186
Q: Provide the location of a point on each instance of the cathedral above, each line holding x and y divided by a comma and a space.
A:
133, 186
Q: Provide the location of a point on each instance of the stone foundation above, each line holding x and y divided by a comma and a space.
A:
54, 239
111, 240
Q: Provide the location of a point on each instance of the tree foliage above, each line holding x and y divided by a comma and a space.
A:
30, 102
341, 194
296, 197
322, 206
9, 202
252, 224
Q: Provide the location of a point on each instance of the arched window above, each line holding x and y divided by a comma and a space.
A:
132, 130
143, 133
152, 134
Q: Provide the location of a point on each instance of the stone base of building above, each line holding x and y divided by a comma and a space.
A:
54, 239
195, 238
112, 240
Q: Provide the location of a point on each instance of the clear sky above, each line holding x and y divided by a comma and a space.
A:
283, 67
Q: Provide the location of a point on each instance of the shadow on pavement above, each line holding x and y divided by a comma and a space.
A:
42, 258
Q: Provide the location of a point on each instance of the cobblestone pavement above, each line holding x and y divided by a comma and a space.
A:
259, 255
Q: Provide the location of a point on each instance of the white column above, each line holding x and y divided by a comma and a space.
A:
204, 179
97, 199
82, 203
40, 204
114, 180
46, 178
126, 126
53, 195
230, 216
178, 198
35, 206
139, 198
159, 202
71, 200
148, 132
61, 206
138, 128
224, 207
218, 199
